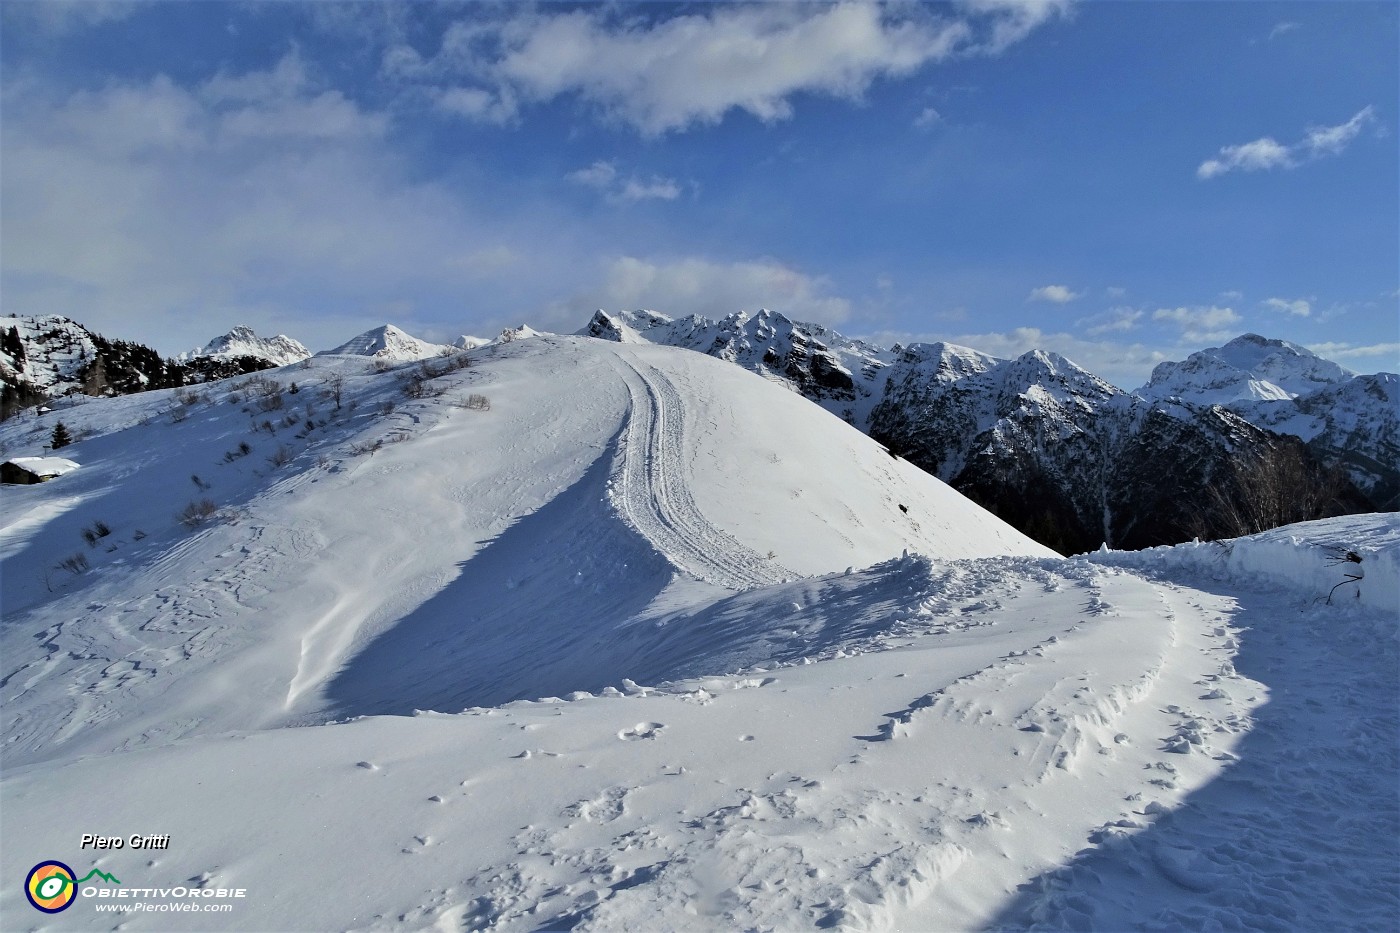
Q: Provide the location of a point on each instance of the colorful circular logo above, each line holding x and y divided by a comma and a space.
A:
51, 886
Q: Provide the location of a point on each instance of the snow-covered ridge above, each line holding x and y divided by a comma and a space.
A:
242, 341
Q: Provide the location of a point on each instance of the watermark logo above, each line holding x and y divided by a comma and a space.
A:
52, 886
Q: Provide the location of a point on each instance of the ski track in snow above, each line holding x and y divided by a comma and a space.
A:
651, 488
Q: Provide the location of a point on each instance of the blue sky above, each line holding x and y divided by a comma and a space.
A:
1118, 182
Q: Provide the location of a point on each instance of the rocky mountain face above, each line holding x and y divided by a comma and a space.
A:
1062, 455
50, 355
1342, 417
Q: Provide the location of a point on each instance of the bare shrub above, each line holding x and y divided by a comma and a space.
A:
95, 532
474, 402
199, 484
242, 450
281, 456
334, 388
366, 447
197, 512
76, 564
267, 393
179, 414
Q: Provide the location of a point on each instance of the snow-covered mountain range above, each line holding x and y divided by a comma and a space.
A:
595, 636
1058, 452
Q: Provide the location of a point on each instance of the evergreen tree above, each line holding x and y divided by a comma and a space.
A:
61, 438
12, 345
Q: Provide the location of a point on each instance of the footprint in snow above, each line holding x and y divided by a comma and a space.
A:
642, 730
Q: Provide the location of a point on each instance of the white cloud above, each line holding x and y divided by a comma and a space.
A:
1200, 324
1115, 320
928, 117
635, 189
1254, 156
1267, 153
474, 103
147, 209
599, 175
1331, 140
1384, 353
660, 74
713, 289
1282, 28
1301, 307
1115, 291
603, 176
62, 17
1056, 294
1234, 295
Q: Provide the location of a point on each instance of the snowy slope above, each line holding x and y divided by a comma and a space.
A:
242, 341
1009, 744
692, 667
630, 464
388, 343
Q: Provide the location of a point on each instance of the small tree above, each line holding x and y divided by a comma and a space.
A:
61, 437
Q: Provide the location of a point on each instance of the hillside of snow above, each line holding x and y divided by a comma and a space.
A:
577, 634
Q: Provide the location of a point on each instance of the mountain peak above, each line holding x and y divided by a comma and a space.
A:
387, 342
241, 340
1249, 368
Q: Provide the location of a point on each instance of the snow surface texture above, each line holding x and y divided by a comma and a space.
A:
714, 676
